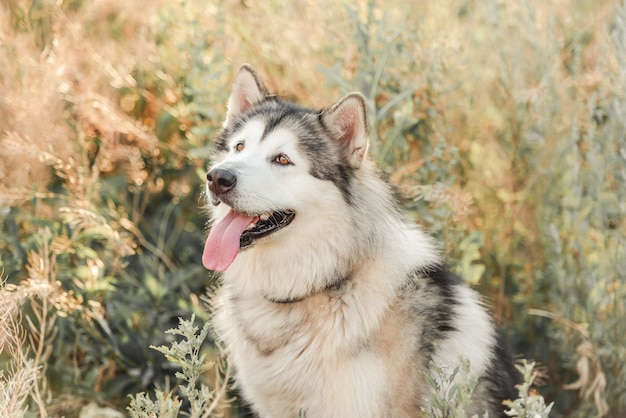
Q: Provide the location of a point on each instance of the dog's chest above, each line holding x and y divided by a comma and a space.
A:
267, 327
285, 357
307, 356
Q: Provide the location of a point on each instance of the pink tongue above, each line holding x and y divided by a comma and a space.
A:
222, 244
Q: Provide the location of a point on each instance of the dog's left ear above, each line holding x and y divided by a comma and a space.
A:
347, 122
248, 90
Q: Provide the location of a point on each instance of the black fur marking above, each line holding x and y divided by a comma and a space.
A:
340, 173
446, 282
502, 376
287, 112
438, 284
435, 298
327, 162
343, 181
221, 143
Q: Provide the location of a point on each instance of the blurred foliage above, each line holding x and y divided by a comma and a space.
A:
500, 123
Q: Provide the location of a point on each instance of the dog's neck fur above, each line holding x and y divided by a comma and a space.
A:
332, 287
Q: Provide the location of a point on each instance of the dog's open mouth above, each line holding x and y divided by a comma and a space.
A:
238, 231
265, 225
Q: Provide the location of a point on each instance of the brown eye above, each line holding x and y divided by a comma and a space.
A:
239, 147
282, 159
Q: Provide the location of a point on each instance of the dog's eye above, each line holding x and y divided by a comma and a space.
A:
239, 147
282, 159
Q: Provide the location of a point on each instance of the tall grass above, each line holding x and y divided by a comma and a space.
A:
501, 124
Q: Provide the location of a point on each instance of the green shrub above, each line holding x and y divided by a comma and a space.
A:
452, 391
203, 402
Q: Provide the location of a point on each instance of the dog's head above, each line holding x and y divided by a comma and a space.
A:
278, 165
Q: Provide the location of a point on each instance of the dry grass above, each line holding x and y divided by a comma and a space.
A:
22, 373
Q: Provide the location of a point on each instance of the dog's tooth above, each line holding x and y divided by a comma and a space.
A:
265, 216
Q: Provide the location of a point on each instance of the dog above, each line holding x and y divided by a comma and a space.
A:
332, 302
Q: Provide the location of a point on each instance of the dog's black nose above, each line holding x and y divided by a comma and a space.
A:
221, 181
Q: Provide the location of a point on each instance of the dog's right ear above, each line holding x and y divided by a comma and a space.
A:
347, 122
248, 90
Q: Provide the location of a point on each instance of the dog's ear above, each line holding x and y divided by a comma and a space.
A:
248, 90
347, 123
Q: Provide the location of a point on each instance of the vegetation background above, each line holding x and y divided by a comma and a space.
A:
501, 123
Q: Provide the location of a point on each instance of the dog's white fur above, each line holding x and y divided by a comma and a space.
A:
348, 352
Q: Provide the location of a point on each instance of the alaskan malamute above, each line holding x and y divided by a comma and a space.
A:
333, 303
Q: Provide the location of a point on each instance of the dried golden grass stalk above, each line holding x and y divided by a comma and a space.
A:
105, 117
23, 372
28, 346
36, 124
591, 377
15, 388
591, 380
